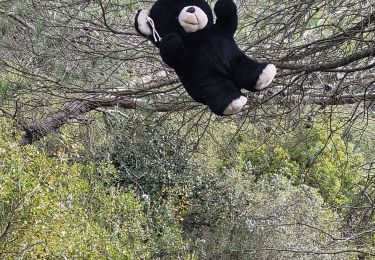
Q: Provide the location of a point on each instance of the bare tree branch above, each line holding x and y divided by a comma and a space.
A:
73, 111
366, 53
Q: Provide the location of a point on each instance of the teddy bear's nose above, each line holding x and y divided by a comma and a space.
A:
191, 10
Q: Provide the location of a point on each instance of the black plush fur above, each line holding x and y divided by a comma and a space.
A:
208, 62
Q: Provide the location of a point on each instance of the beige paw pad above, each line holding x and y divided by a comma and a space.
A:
266, 77
235, 106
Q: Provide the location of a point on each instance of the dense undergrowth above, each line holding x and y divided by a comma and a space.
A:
151, 191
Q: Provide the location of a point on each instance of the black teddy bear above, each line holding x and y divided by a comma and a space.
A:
204, 55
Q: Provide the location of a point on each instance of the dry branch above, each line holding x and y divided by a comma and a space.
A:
73, 111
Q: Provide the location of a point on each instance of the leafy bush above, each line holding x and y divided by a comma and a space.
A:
220, 190
315, 157
51, 209
264, 219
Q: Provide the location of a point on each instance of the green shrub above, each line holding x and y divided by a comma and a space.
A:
52, 209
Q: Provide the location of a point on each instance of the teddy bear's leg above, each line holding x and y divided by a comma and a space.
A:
222, 96
252, 75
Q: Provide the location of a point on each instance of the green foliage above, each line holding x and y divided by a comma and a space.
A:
153, 194
270, 214
149, 156
51, 209
285, 185
9, 86
327, 162
316, 157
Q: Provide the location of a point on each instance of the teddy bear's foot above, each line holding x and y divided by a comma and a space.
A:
266, 77
235, 106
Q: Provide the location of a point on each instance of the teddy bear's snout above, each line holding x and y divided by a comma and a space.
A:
192, 19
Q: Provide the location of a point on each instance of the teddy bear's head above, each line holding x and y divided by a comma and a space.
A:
175, 16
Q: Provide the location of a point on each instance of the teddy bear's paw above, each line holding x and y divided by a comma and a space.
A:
235, 106
141, 22
266, 77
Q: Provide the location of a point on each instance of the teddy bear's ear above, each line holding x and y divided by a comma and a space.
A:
141, 23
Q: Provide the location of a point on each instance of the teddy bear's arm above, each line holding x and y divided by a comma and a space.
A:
226, 14
173, 51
